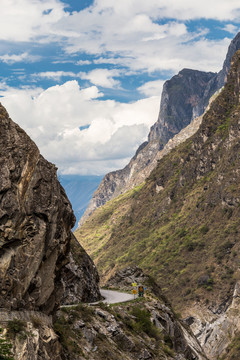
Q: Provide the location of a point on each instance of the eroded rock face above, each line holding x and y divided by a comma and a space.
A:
35, 224
184, 99
79, 277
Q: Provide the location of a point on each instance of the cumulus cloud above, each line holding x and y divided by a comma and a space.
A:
26, 20
102, 77
53, 118
151, 88
99, 77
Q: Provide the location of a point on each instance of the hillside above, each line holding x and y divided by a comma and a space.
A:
184, 98
146, 328
187, 211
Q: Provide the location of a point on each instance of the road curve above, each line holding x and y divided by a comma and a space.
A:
110, 297
113, 297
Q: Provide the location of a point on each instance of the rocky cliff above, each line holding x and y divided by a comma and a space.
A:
39, 269
184, 98
36, 221
187, 210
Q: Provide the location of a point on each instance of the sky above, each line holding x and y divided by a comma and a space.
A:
84, 78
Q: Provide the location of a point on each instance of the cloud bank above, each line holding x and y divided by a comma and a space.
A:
55, 116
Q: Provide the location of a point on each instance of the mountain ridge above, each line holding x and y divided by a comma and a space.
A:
178, 98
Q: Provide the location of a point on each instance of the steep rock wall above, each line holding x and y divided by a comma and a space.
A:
35, 226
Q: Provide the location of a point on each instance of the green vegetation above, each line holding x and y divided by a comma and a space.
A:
5, 347
18, 328
142, 322
63, 326
67, 337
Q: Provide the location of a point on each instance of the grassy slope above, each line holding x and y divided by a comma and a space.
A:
186, 234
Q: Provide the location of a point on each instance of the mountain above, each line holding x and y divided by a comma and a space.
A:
79, 190
184, 98
182, 225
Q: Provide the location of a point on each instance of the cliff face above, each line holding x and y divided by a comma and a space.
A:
35, 226
184, 98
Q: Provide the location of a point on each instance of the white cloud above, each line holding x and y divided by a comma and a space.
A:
151, 88
124, 33
23, 57
52, 118
102, 77
128, 35
26, 20
232, 29
178, 9
54, 75
99, 77
83, 62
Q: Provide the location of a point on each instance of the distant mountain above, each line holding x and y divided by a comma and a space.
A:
184, 98
79, 190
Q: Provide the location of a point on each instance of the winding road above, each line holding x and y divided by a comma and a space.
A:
113, 297
110, 297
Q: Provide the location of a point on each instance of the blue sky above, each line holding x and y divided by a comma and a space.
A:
84, 78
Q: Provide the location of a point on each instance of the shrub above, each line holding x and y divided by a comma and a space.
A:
15, 327
143, 322
5, 348
204, 229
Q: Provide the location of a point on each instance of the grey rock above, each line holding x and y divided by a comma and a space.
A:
90, 335
79, 324
145, 355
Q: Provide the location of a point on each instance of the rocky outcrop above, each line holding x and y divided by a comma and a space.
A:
137, 330
35, 227
79, 277
184, 98
31, 335
214, 328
